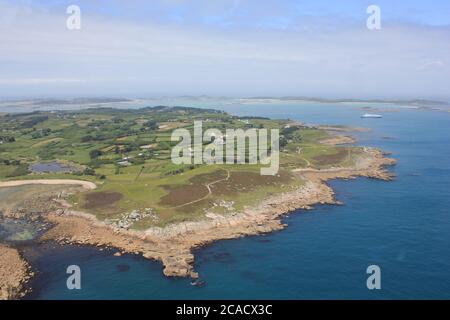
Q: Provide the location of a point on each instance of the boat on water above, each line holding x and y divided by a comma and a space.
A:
371, 115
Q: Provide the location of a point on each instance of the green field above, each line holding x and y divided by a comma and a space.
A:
127, 154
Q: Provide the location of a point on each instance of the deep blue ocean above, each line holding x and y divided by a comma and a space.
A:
403, 226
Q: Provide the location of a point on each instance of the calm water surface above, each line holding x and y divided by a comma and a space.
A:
54, 167
403, 226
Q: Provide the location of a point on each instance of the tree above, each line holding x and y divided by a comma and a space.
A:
94, 154
89, 172
151, 124
86, 138
283, 142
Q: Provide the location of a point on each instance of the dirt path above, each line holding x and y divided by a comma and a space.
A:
139, 173
15, 183
208, 186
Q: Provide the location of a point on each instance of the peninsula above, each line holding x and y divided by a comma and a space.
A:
104, 177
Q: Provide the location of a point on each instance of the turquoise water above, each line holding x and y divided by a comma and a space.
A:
403, 226
15, 230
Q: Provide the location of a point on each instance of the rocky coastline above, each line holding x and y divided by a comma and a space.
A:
173, 245
14, 273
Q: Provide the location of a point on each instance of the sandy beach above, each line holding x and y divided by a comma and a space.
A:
15, 183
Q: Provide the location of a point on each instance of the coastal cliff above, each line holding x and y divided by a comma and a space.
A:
172, 245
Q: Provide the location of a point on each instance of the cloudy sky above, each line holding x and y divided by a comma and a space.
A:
225, 47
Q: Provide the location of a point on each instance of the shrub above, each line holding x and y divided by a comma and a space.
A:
20, 170
93, 154
89, 172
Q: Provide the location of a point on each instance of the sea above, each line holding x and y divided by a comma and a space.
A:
401, 226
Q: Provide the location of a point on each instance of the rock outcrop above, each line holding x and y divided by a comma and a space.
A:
173, 244
14, 273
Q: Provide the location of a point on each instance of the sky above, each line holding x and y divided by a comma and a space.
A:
152, 48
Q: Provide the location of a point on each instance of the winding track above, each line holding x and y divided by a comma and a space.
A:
208, 186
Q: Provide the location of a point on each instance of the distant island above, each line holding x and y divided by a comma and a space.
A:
415, 102
104, 177
27, 105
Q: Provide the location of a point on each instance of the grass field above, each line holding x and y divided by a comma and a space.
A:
127, 154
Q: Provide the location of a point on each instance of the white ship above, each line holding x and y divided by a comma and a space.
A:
371, 115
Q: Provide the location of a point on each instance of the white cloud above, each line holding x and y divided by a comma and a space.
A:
108, 56
430, 64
